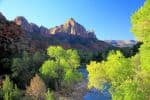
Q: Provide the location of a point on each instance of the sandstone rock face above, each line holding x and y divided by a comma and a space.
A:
73, 28
30, 27
70, 27
23, 23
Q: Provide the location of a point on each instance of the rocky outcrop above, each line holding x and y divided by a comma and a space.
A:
21, 21
71, 27
30, 27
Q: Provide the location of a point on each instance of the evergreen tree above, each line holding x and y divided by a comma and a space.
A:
10, 91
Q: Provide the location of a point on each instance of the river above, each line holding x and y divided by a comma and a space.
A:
95, 94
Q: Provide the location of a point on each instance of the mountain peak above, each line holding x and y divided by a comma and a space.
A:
73, 28
21, 20
71, 20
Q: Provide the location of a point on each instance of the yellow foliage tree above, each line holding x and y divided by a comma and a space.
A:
37, 88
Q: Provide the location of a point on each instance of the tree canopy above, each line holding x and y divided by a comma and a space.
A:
61, 66
23, 68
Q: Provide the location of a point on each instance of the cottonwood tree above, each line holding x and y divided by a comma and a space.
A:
61, 66
129, 77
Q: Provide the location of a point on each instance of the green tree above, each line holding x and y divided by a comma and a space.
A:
129, 77
7, 89
21, 69
24, 67
17, 94
10, 91
115, 70
141, 23
49, 95
141, 29
61, 66
120, 72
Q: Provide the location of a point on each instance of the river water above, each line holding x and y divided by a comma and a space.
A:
95, 94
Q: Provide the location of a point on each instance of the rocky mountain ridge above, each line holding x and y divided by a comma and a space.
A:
71, 35
70, 27
30, 27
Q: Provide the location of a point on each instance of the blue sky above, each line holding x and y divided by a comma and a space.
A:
109, 18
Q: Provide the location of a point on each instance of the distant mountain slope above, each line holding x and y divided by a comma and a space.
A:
122, 43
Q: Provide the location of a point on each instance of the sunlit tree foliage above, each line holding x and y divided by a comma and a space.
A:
61, 66
129, 77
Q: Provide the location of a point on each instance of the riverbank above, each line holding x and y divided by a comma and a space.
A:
78, 92
81, 92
